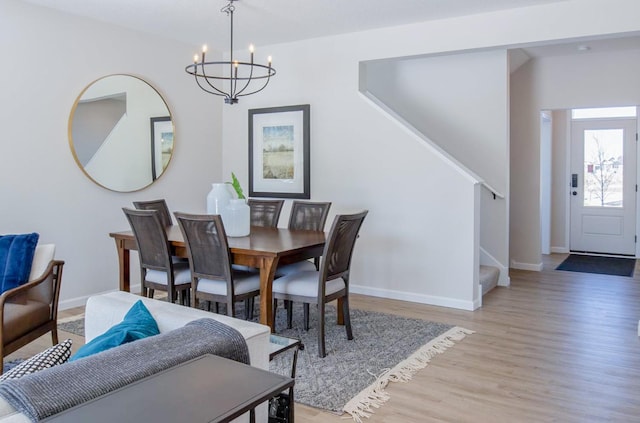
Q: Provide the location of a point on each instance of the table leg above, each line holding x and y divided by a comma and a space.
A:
267, 273
340, 312
125, 268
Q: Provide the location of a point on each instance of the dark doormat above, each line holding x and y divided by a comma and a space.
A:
595, 264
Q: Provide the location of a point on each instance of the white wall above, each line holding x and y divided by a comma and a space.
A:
560, 182
418, 242
411, 247
360, 158
563, 82
49, 58
545, 181
460, 103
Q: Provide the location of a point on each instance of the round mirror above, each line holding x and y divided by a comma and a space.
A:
121, 133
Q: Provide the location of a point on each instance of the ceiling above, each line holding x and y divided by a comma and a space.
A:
265, 22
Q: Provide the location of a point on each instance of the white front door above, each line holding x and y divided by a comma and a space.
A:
603, 186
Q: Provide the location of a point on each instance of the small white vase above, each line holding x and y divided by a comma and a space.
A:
218, 198
236, 218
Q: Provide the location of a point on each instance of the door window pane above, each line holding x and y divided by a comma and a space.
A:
604, 112
603, 167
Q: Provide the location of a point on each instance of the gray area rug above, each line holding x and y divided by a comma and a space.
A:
356, 370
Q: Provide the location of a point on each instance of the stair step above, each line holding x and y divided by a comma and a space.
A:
489, 276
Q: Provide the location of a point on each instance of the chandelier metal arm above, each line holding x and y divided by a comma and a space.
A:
238, 93
197, 78
256, 91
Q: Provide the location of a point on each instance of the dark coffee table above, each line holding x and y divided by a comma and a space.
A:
206, 389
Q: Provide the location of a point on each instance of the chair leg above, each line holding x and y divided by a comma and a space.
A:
273, 315
252, 307
321, 346
231, 309
54, 335
151, 292
347, 317
247, 309
217, 308
306, 316
289, 314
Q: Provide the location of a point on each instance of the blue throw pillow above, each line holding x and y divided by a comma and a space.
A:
138, 323
16, 257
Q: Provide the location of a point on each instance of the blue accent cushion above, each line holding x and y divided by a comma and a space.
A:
138, 323
16, 257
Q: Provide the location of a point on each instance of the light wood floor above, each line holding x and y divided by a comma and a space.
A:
552, 347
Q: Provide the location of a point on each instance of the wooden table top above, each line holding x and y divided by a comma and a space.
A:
261, 240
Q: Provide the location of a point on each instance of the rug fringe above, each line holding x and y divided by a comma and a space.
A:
362, 405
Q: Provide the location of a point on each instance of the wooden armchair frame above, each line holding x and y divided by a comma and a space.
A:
52, 275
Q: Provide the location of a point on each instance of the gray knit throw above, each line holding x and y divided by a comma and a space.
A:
50, 391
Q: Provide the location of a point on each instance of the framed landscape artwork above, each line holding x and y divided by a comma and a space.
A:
279, 152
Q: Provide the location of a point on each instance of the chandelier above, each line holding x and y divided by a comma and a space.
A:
238, 78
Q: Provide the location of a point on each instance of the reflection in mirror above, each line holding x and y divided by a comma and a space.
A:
121, 133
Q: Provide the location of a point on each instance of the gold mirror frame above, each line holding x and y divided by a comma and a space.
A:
121, 133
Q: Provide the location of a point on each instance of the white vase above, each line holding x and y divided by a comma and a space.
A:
218, 198
236, 218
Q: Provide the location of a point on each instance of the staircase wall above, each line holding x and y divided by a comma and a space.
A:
459, 103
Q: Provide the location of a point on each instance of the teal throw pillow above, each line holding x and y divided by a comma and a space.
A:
16, 257
138, 323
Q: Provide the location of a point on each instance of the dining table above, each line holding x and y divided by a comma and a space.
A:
264, 248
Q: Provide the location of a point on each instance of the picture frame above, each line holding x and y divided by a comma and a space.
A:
279, 153
161, 144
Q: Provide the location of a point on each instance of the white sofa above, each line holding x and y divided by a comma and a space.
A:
106, 310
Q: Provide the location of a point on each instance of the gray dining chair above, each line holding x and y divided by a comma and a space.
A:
159, 205
213, 278
330, 282
265, 212
157, 268
305, 216
165, 217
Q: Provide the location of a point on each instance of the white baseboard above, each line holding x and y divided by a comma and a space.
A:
504, 280
477, 303
414, 297
526, 266
559, 250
